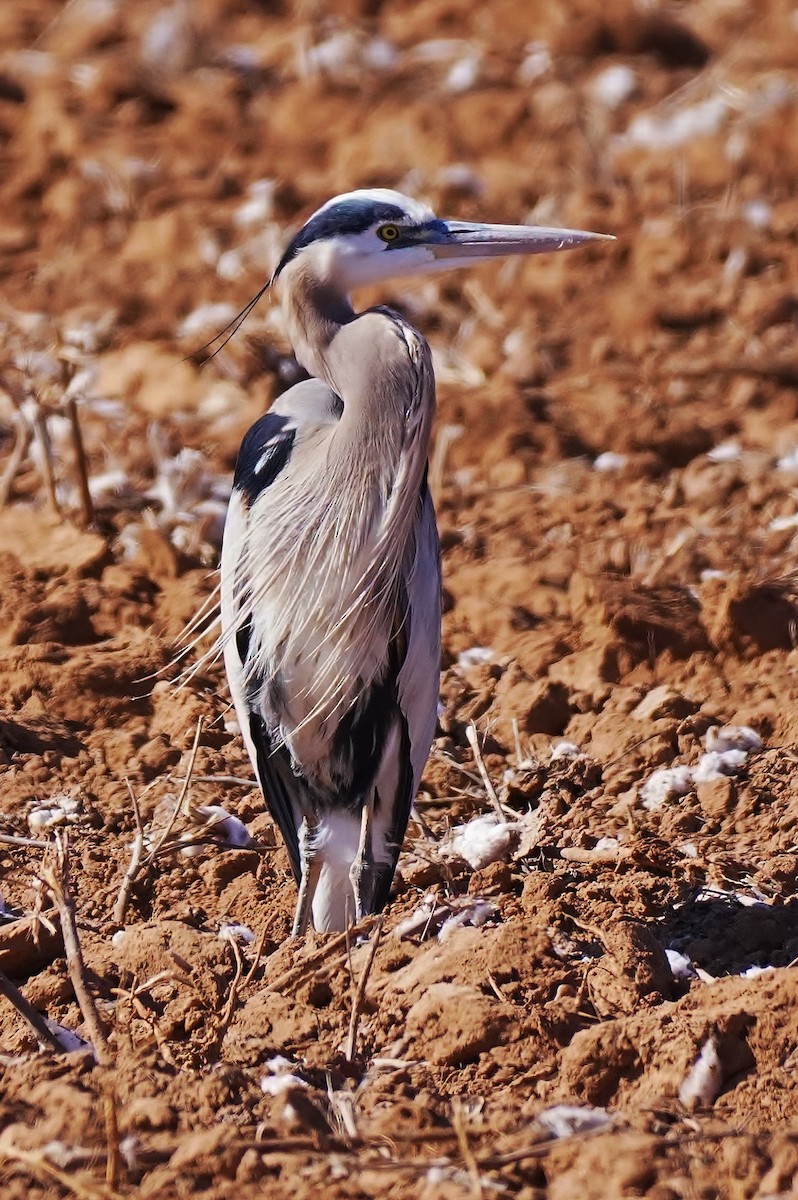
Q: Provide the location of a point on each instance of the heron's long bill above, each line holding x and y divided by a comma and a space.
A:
466, 240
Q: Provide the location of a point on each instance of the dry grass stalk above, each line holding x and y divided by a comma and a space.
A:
289, 979
29, 942
134, 865
41, 435
221, 780
19, 453
459, 1126
360, 992
57, 880
579, 854
137, 863
473, 741
81, 463
35, 1020
519, 757
256, 957
447, 436
114, 1159
181, 799
77, 1184
11, 839
232, 995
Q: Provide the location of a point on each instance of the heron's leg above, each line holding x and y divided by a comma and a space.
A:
310, 868
361, 873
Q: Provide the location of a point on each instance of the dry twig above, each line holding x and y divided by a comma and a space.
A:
57, 880
134, 865
29, 942
114, 1159
256, 957
360, 992
309, 965
232, 995
11, 839
81, 463
178, 808
473, 741
42, 1030
18, 456
459, 1126
41, 435
81, 1185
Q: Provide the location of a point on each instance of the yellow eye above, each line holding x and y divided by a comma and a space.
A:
388, 233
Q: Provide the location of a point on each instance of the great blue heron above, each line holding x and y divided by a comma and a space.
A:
330, 575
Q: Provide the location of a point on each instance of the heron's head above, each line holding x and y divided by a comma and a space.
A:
367, 236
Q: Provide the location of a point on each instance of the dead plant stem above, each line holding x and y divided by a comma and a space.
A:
473, 741
26, 1010
60, 886
360, 992
81, 463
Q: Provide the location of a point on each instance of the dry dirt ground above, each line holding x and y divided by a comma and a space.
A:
615, 470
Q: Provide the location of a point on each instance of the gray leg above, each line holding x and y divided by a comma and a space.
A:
311, 869
361, 873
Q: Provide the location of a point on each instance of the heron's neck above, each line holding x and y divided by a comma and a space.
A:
315, 313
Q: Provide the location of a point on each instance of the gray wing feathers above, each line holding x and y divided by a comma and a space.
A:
417, 690
419, 677
265, 452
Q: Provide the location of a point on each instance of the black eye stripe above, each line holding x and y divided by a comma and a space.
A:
348, 216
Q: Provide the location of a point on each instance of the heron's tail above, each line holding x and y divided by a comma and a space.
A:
336, 843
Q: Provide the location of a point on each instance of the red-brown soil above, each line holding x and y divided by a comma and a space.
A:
627, 610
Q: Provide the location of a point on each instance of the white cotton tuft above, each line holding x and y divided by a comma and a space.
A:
612, 86
732, 737
609, 461
758, 213
680, 965
753, 972
725, 452
779, 524
279, 1077
258, 207
211, 820
276, 1085
445, 916
564, 750
703, 1082
236, 933
475, 913
62, 810
716, 765
679, 126
68, 1040
206, 317
475, 656
663, 784
463, 74
482, 841
789, 461
565, 1120
536, 62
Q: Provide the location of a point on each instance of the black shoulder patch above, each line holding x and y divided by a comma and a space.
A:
348, 216
264, 453
281, 788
